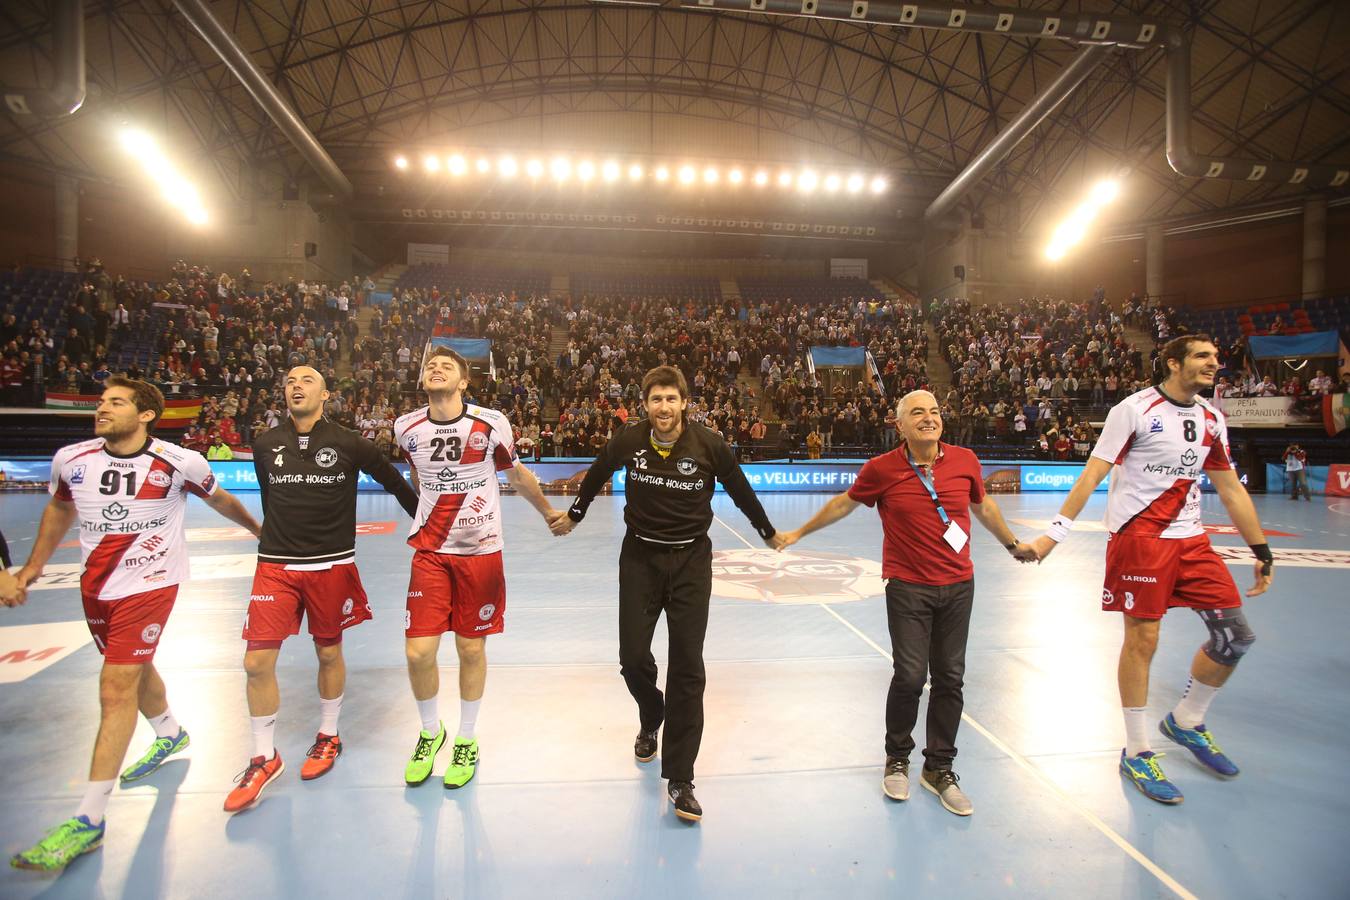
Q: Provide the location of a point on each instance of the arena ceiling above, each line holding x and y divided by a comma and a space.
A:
1271, 80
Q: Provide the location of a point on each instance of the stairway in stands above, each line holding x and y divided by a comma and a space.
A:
939, 373
557, 343
559, 287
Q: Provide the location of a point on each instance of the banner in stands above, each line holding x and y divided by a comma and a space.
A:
472, 349
1280, 346
1338, 480
1277, 479
177, 413
1262, 412
1335, 413
838, 356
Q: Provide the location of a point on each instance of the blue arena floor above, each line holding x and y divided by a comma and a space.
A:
790, 770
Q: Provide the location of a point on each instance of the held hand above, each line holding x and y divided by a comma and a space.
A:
1025, 553
784, 539
27, 576
1042, 547
11, 593
1262, 583
560, 523
776, 542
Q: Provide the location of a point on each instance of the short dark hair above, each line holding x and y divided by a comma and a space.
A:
1178, 348
145, 395
665, 376
441, 350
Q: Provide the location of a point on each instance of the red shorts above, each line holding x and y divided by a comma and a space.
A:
332, 599
448, 592
1145, 576
127, 631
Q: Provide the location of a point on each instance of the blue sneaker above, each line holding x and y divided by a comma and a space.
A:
159, 751
1143, 770
1201, 744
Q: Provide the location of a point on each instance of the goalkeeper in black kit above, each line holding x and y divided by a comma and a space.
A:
666, 564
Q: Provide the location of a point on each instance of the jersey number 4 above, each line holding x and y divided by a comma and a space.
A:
111, 482
446, 449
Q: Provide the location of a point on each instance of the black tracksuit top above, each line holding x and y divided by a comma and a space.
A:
669, 500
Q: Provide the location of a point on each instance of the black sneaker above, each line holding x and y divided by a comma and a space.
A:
682, 795
644, 747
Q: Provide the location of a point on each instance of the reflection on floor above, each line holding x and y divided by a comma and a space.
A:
790, 770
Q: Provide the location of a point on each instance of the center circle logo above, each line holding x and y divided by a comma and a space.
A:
151, 633
768, 576
326, 457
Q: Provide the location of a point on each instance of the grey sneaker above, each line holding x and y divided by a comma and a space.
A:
943, 783
895, 782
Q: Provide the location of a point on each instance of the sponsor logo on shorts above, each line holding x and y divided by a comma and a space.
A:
262, 598
478, 441
150, 633
412, 594
487, 611
145, 651
77, 475
115, 512
1107, 597
407, 619
347, 607
1129, 600
1143, 579
159, 479
327, 457
97, 621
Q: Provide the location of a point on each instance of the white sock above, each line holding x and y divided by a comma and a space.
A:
328, 714
429, 711
468, 717
263, 727
165, 725
95, 801
1136, 730
1194, 703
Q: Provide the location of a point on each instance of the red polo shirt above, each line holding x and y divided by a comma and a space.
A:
913, 548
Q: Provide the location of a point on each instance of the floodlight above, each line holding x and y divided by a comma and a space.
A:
687, 175
761, 178
833, 183
662, 173
586, 170
401, 163
785, 179
534, 168
806, 182
1105, 191
735, 176
855, 183
431, 163
561, 168
610, 171
507, 167
879, 185
710, 175
635, 172
458, 165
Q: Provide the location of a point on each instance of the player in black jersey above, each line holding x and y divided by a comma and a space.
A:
666, 564
307, 470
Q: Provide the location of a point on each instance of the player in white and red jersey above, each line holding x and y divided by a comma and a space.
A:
457, 584
1159, 442
128, 491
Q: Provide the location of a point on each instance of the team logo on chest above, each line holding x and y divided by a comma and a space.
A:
686, 466
77, 475
326, 457
1155, 425
478, 441
159, 479
412, 444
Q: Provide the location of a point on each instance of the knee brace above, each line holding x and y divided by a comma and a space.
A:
1230, 637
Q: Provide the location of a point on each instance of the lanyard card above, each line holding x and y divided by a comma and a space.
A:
955, 536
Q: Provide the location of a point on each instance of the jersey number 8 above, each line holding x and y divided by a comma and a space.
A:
1188, 429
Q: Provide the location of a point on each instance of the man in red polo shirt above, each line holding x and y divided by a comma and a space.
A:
925, 492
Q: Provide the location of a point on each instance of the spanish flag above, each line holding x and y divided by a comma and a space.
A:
178, 414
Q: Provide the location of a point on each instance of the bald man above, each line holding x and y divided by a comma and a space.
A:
925, 492
307, 469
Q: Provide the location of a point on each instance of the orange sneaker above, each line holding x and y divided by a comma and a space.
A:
320, 757
259, 774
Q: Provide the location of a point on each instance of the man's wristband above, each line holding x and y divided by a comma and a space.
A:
1059, 529
1262, 552
1009, 547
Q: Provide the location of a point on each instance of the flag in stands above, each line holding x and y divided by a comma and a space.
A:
1335, 413
177, 413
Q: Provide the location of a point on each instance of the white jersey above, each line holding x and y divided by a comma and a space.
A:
1160, 448
131, 513
459, 507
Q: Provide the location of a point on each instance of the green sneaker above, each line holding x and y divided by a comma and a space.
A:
72, 838
424, 756
463, 763
159, 751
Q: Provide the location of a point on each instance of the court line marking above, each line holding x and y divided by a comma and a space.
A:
1092, 819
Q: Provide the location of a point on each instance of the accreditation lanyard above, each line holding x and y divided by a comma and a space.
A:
928, 483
